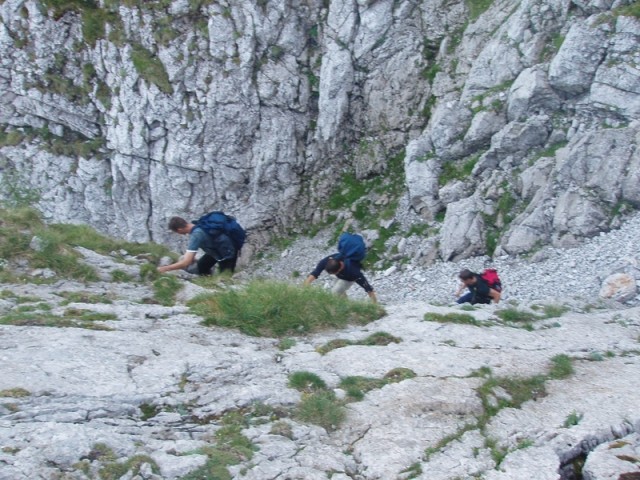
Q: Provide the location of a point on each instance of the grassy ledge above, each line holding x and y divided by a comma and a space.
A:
266, 308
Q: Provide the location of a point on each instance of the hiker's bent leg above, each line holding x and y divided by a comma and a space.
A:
229, 264
341, 287
465, 298
205, 264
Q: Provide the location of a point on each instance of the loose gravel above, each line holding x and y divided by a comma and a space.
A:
553, 275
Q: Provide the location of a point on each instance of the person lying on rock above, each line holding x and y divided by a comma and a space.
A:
479, 290
347, 271
217, 249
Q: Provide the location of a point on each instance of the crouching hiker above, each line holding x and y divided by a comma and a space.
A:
347, 272
480, 290
217, 248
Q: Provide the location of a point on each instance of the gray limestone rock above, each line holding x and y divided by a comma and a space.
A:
531, 95
611, 460
462, 231
619, 286
573, 69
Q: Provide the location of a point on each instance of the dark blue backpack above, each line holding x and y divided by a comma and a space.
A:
215, 223
351, 247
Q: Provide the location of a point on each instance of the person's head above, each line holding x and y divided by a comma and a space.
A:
467, 277
178, 225
333, 266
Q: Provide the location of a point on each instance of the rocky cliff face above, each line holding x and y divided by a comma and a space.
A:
519, 120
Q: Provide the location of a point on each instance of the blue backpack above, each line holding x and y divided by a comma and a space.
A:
215, 223
351, 247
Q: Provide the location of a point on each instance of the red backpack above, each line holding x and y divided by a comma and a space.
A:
490, 275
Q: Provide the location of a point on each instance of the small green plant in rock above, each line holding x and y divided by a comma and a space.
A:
551, 150
477, 7
456, 170
453, 317
554, 311
483, 371
572, 419
321, 408
498, 452
149, 271
278, 309
121, 276
306, 382
286, 343
148, 411
166, 289
230, 448
17, 196
356, 387
10, 138
281, 428
333, 345
33, 308
71, 318
446, 440
519, 390
561, 367
399, 374
378, 338
102, 452
214, 282
82, 297
115, 470
15, 393
516, 316
87, 237
150, 68
412, 471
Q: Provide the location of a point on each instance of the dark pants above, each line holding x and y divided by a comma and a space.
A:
468, 298
207, 262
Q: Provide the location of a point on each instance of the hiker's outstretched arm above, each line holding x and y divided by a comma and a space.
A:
309, 279
372, 296
495, 295
184, 262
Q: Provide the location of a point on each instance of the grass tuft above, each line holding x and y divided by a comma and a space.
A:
516, 316
306, 382
463, 318
356, 386
321, 408
267, 308
561, 367
15, 393
572, 419
378, 338
150, 68
165, 289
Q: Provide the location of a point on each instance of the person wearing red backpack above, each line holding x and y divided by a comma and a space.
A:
479, 289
